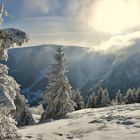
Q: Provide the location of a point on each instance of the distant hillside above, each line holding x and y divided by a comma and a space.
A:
122, 74
87, 70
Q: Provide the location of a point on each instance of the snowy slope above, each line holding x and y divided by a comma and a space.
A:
112, 123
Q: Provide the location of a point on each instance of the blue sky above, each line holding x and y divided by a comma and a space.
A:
35, 8
75, 22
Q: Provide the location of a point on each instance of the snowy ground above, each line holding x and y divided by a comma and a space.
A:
113, 123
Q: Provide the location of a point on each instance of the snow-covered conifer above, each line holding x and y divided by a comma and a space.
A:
105, 98
91, 103
10, 96
129, 99
58, 92
138, 95
78, 99
119, 98
99, 97
102, 98
9, 90
8, 129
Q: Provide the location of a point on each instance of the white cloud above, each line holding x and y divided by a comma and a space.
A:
58, 7
118, 42
35, 7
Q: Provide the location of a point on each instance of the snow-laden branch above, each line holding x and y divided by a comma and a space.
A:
9, 38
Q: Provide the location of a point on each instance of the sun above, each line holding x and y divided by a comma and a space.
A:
115, 16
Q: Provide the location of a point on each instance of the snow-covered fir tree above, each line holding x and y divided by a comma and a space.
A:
11, 99
119, 98
130, 98
102, 98
105, 98
9, 90
91, 103
138, 95
78, 99
134, 90
58, 92
8, 129
99, 97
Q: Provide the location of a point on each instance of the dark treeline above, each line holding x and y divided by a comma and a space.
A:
102, 98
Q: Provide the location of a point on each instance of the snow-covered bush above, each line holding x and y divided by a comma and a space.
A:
58, 91
37, 110
23, 115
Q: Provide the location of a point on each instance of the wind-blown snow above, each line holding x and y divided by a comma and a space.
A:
111, 123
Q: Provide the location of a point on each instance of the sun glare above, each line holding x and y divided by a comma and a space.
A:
115, 16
